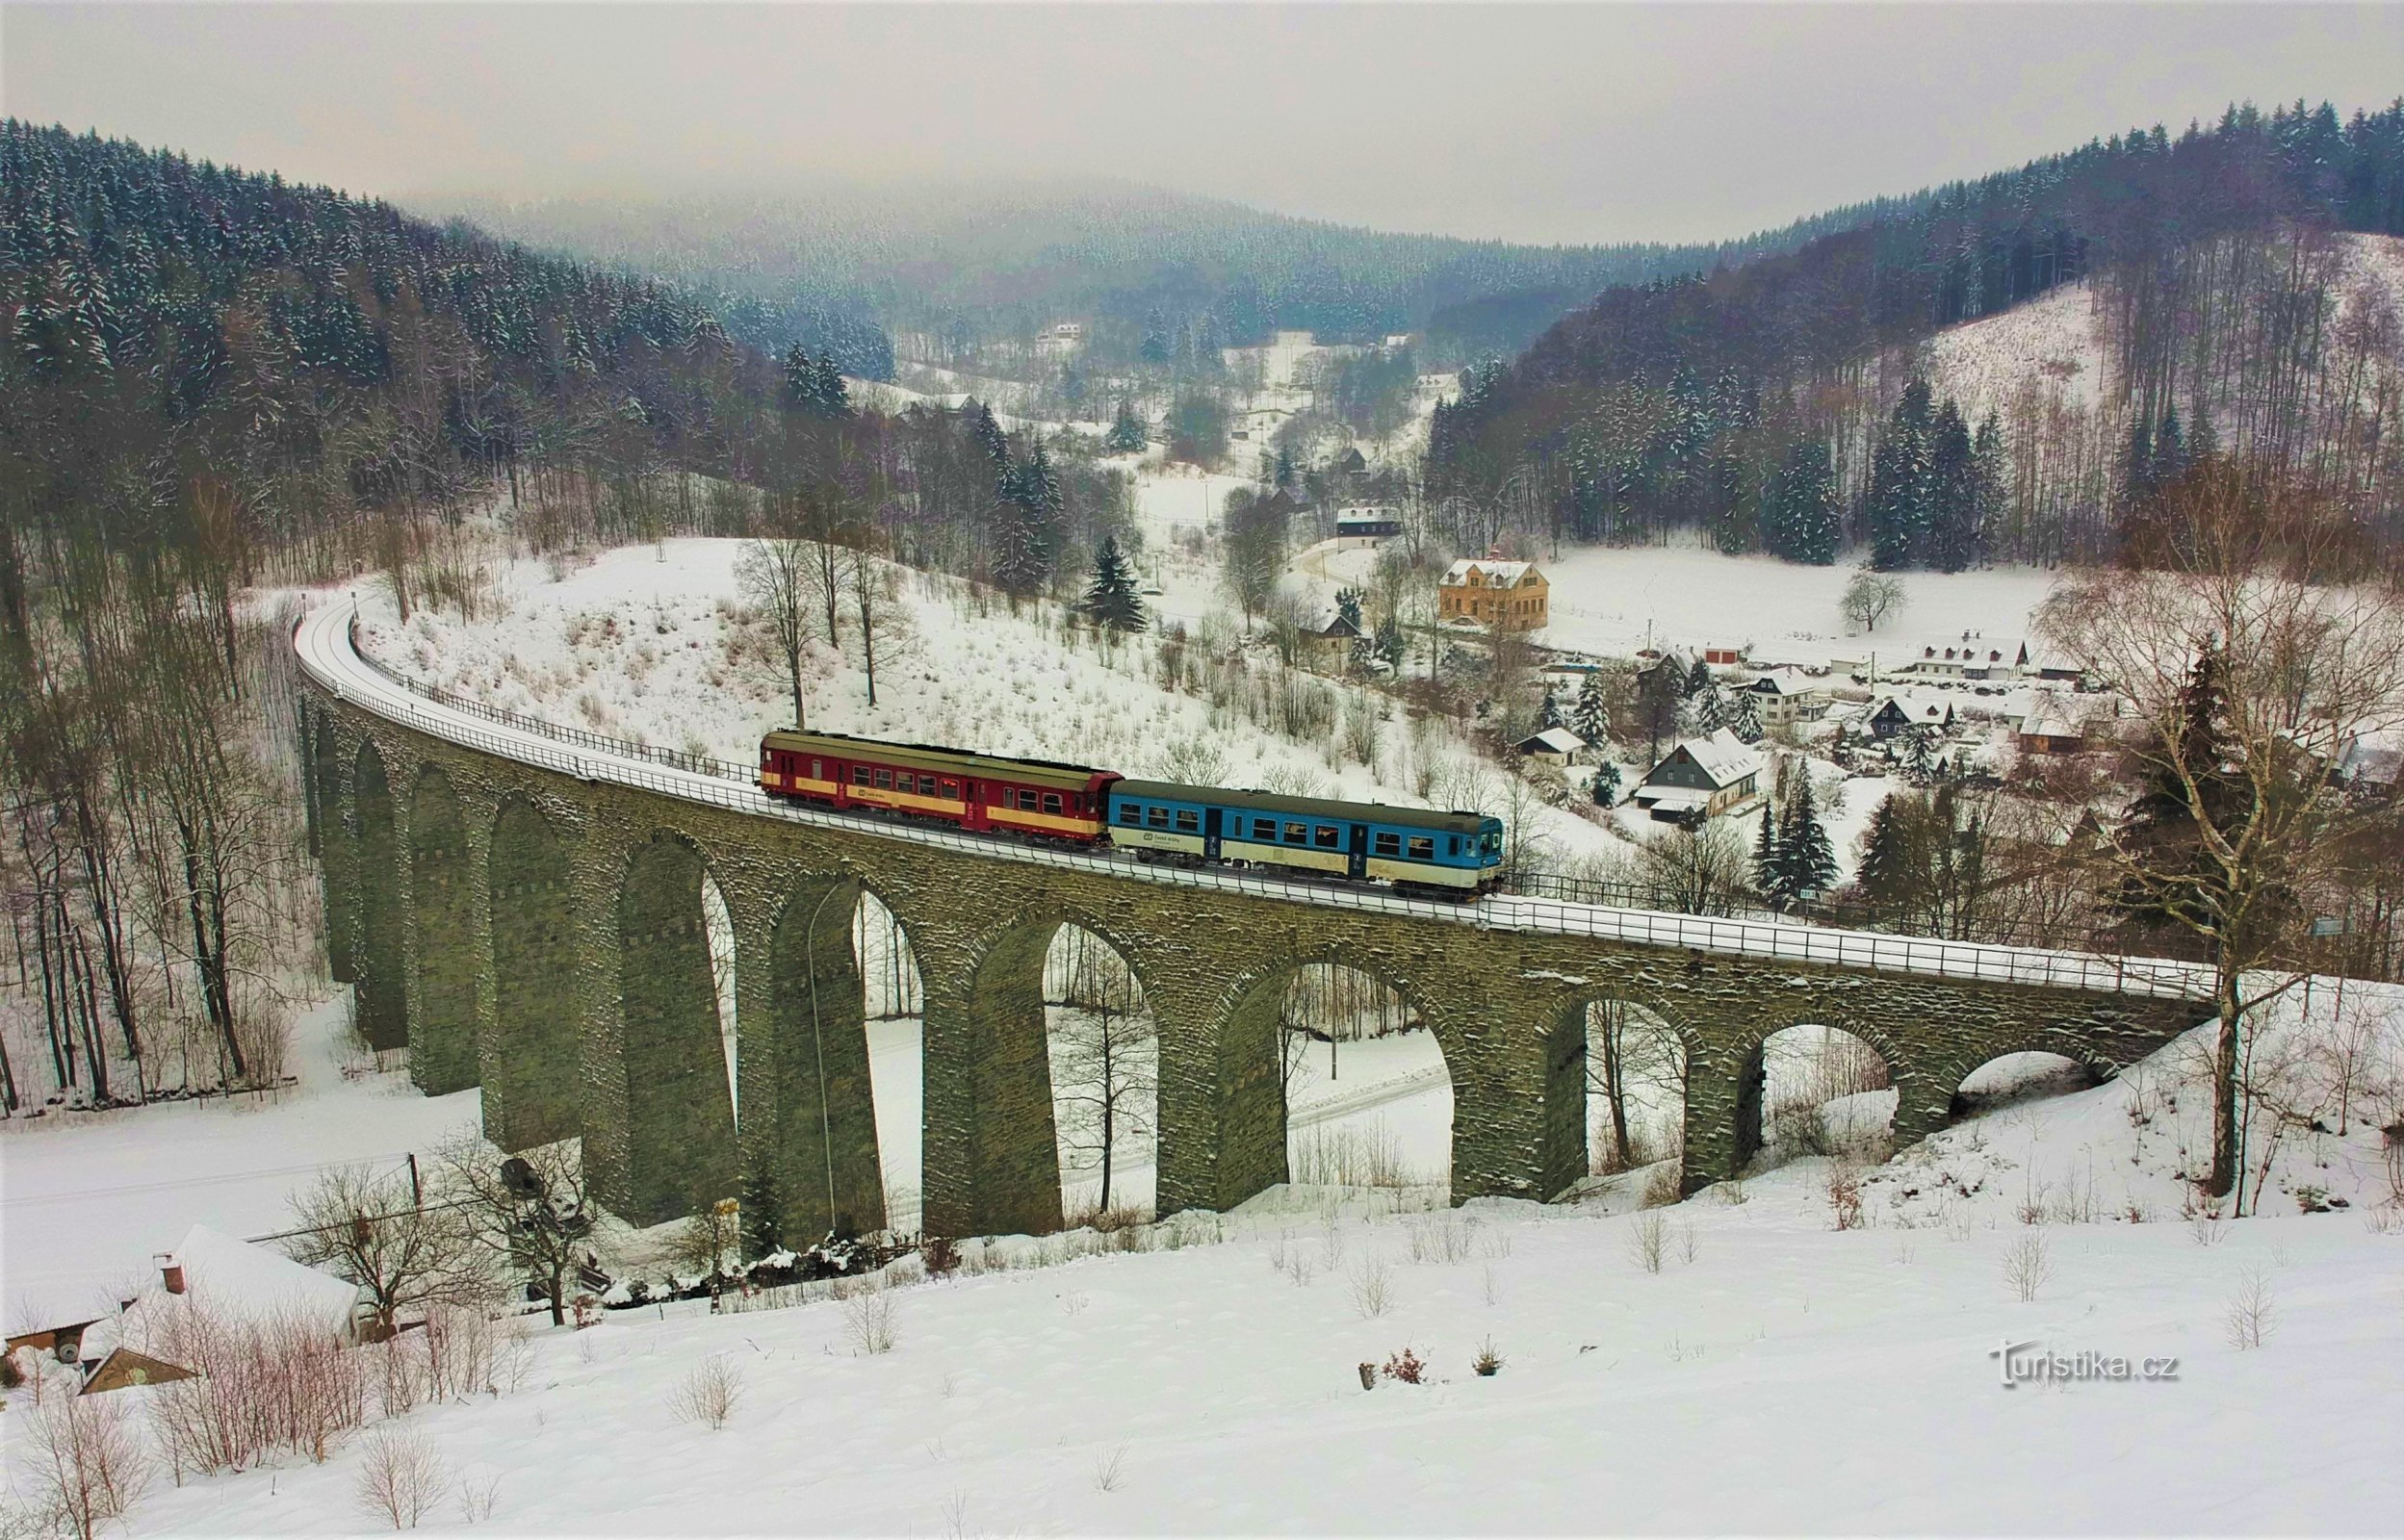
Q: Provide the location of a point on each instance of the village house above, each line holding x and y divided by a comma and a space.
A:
1335, 639
2049, 729
1701, 777
235, 1281
1890, 715
1510, 596
1782, 698
1366, 527
1555, 746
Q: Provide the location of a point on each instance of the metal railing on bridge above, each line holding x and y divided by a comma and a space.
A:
331, 656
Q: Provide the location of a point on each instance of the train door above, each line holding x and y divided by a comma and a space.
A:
1210, 833
972, 804
1357, 860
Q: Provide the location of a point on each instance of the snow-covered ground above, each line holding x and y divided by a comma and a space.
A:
86, 1198
1775, 1374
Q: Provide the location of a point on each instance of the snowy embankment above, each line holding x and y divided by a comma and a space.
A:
1848, 1377
86, 1198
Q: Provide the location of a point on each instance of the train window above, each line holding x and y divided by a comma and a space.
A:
951, 789
817, 770
1188, 821
1325, 837
904, 780
1051, 802
1130, 813
767, 756
884, 780
1422, 847
860, 774
1298, 833
1385, 844
1454, 847
1264, 828
1157, 817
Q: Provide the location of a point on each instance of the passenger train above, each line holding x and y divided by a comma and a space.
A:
1442, 854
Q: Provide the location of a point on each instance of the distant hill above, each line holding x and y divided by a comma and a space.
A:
960, 265
2225, 304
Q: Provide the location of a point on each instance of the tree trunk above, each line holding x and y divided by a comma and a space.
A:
2225, 1154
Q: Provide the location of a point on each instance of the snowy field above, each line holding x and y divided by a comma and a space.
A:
86, 1198
1846, 1379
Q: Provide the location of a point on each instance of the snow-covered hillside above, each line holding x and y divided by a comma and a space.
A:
2056, 343
1734, 1363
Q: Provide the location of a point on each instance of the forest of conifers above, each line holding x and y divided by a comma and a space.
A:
1768, 405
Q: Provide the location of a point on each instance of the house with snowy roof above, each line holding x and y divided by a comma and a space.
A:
1554, 745
1701, 777
1783, 696
1893, 714
1510, 596
229, 1280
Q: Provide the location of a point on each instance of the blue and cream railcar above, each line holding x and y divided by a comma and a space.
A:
1457, 855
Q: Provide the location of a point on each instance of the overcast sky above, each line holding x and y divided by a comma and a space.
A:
1546, 122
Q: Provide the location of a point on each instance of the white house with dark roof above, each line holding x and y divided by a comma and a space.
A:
1783, 696
1555, 745
1701, 777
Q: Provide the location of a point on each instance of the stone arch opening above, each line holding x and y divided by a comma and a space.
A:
1631, 1105
533, 1091
2011, 1079
1329, 1074
680, 1096
1103, 1049
1815, 1089
379, 992
1013, 1154
441, 1036
893, 1002
835, 1109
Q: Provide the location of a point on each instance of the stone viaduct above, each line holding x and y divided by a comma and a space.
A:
541, 935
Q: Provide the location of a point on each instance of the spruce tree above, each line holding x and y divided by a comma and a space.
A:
1952, 493
1548, 715
1766, 852
1605, 787
1800, 518
1745, 720
1884, 876
1126, 435
1347, 609
2161, 822
1589, 718
1897, 506
1111, 601
1806, 862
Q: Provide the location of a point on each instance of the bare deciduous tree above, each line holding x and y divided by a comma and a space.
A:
782, 578
1869, 597
369, 1229
2250, 679
537, 1223
83, 1463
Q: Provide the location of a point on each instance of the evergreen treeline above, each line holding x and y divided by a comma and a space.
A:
1710, 403
214, 381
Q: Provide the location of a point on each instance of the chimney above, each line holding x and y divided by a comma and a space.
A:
171, 1272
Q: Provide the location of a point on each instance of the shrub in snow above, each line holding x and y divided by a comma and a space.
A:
2252, 1311
401, 1476
1487, 1363
1845, 1196
1372, 1287
708, 1394
2027, 1263
872, 1319
1405, 1366
1648, 1237
80, 1463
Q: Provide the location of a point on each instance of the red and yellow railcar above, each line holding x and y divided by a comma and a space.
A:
1036, 798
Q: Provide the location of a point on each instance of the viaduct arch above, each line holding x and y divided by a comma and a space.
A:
538, 934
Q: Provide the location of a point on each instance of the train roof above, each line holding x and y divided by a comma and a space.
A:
1451, 823
935, 757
